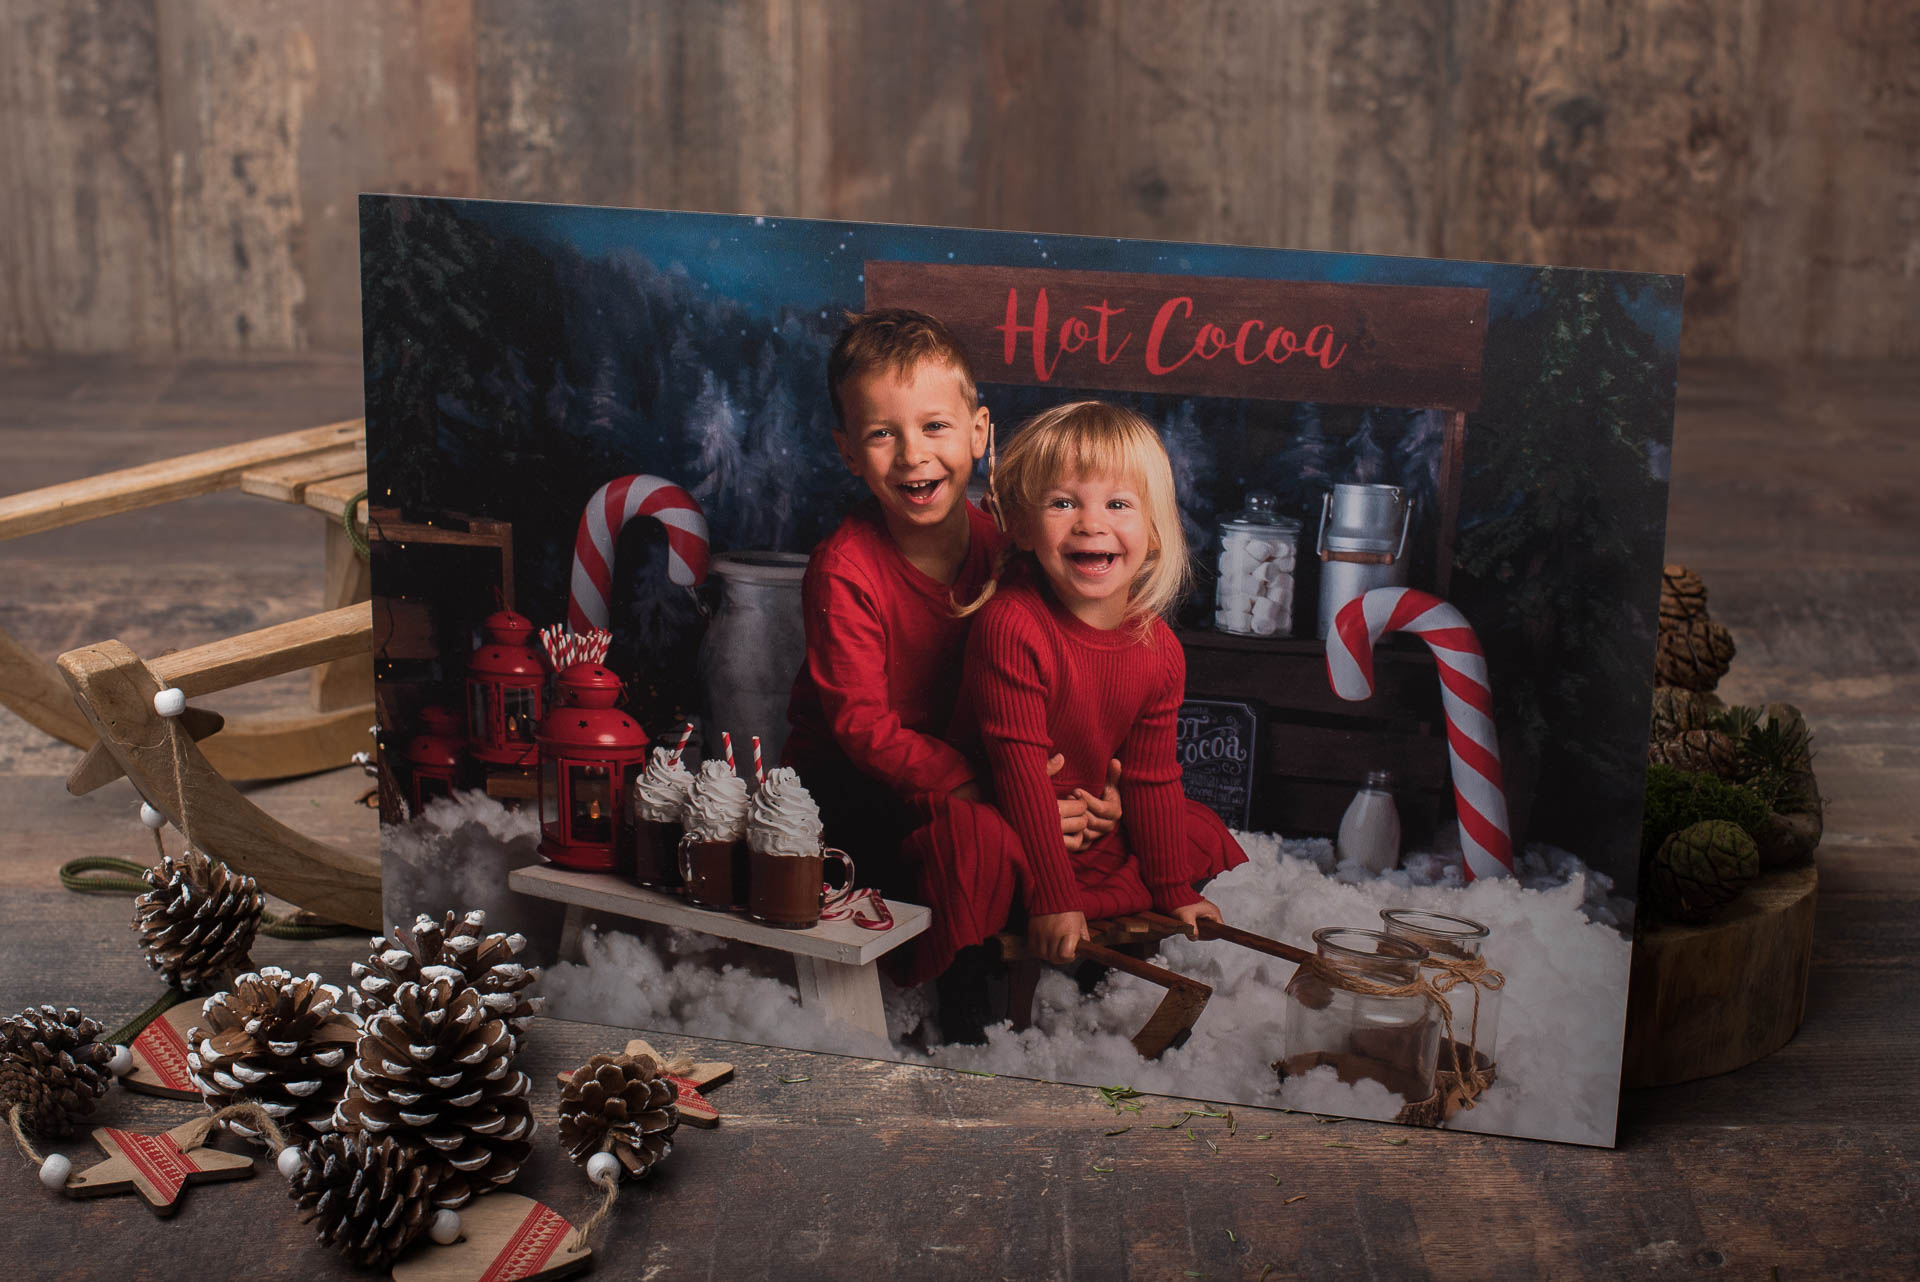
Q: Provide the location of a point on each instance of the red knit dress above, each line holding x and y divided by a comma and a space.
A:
877, 690
1038, 680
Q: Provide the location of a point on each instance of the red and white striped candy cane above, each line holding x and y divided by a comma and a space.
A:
608, 511
1473, 747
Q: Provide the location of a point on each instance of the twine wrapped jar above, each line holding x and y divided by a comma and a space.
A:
1362, 1007
1456, 967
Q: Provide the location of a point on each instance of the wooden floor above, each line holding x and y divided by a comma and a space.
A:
1796, 494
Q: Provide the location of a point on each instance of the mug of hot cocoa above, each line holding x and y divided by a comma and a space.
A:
786, 861
660, 797
713, 854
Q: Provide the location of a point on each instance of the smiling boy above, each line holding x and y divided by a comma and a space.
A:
884, 645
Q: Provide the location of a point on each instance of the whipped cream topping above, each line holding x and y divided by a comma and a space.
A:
784, 819
660, 795
717, 808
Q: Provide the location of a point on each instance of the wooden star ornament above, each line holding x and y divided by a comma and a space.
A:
503, 1238
157, 1167
693, 1106
160, 1054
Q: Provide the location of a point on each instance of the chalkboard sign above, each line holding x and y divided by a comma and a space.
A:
1217, 743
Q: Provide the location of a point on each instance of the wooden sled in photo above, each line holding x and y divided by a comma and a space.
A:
1172, 1020
114, 688
321, 468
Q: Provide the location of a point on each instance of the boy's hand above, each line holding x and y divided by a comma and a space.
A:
969, 791
1103, 812
1054, 937
1194, 912
1073, 810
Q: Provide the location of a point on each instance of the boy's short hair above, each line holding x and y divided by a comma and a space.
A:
894, 339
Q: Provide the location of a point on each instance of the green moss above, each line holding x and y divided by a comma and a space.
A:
1679, 799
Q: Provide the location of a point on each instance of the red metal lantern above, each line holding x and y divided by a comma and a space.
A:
434, 756
504, 682
590, 754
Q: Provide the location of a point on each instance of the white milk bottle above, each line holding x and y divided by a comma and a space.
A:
1370, 830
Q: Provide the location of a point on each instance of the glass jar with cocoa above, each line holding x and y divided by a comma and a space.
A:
1360, 1007
1454, 945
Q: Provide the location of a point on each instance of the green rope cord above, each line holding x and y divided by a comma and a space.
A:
354, 535
130, 884
124, 1035
294, 925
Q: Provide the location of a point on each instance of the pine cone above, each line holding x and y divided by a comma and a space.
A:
279, 1041
1706, 752
1700, 869
197, 922
1693, 653
484, 961
435, 1070
367, 1198
1682, 594
1676, 711
622, 1099
51, 1066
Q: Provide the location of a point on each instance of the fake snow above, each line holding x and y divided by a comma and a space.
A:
1557, 935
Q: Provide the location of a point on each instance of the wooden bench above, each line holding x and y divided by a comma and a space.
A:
319, 468
835, 962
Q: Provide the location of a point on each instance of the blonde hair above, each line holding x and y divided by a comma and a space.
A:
1096, 438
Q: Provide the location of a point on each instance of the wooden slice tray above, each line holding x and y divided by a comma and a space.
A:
1710, 999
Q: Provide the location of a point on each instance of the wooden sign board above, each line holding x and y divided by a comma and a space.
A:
1416, 346
1217, 742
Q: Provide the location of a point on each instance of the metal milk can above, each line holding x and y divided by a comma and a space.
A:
1362, 544
754, 646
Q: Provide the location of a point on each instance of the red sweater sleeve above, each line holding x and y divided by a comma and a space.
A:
1152, 802
1008, 675
847, 659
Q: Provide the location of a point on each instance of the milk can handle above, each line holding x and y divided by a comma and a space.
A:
1406, 523
1320, 539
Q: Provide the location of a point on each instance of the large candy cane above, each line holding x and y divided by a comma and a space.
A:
1472, 746
608, 511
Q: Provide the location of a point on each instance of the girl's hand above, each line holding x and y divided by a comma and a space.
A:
1073, 810
1103, 812
1054, 937
1194, 912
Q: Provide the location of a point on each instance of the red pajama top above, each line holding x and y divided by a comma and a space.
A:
1037, 681
883, 655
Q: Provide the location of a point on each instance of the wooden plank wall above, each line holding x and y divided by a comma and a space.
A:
180, 174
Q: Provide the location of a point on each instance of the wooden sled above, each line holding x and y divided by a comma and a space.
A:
114, 688
319, 468
1171, 1020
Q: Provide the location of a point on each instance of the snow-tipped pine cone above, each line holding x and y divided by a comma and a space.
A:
436, 1070
619, 1104
366, 1197
277, 1040
53, 1068
486, 962
197, 922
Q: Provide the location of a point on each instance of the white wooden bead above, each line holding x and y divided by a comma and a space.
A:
290, 1161
54, 1172
602, 1167
151, 818
446, 1227
122, 1062
170, 702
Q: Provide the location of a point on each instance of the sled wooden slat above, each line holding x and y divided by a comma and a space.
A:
254, 656
149, 484
287, 480
330, 496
